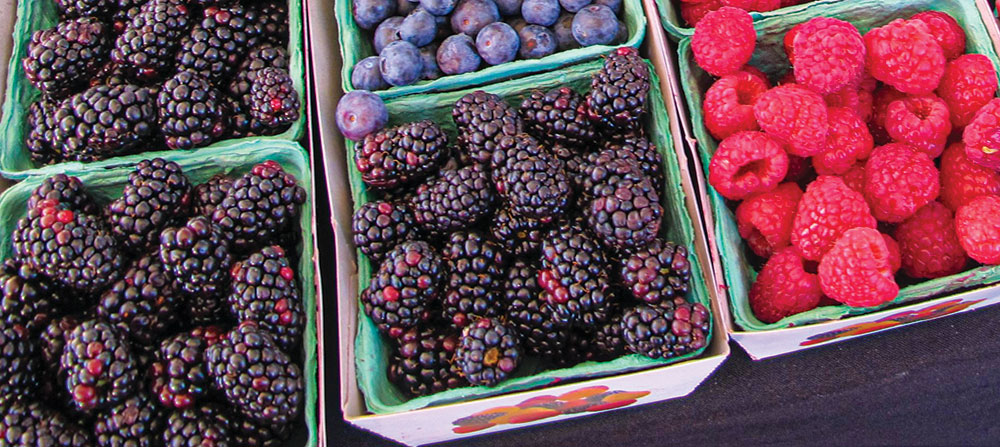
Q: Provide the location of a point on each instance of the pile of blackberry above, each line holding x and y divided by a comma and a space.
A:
540, 236
172, 315
118, 77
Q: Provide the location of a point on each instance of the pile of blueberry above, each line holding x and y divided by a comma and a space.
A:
425, 39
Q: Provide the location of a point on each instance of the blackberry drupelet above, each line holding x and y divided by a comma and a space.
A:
210, 194
100, 369
536, 187
617, 98
607, 342
530, 315
261, 206
272, 20
379, 225
65, 189
421, 365
518, 235
389, 158
510, 150
263, 290
407, 284
197, 257
19, 366
573, 277
31, 424
40, 133
201, 426
136, 422
216, 45
657, 272
558, 117
62, 59
640, 149
145, 49
488, 352
156, 196
143, 304
191, 111
273, 100
482, 119
28, 299
665, 332
81, 8
104, 121
458, 199
625, 212
475, 267
248, 433
179, 374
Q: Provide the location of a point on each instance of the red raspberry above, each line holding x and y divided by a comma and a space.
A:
905, 55
756, 72
978, 229
845, 97
827, 209
765, 219
868, 83
789, 42
829, 55
857, 270
795, 115
865, 105
799, 170
968, 84
728, 105
693, 12
920, 121
747, 163
854, 178
847, 141
899, 179
895, 258
881, 98
783, 287
928, 245
982, 136
724, 40
754, 5
962, 180
945, 30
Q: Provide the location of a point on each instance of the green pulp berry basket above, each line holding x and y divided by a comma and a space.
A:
677, 28
372, 350
107, 183
356, 44
15, 161
770, 57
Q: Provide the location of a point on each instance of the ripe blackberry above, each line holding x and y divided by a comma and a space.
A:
179, 374
273, 100
272, 20
573, 277
201, 426
28, 299
536, 187
19, 366
607, 342
617, 98
191, 111
155, 196
197, 257
257, 378
530, 315
27, 424
558, 117
145, 49
510, 150
260, 57
209, 195
379, 225
640, 149
392, 157
65, 189
143, 303
408, 282
422, 363
482, 119
40, 134
249, 433
626, 210
263, 290
656, 272
578, 349
63, 58
488, 352
518, 235
261, 206
215, 46
475, 271
665, 332
104, 121
135, 422
458, 199
81, 8
52, 340
100, 369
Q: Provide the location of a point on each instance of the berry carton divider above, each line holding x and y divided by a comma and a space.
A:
677, 28
34, 15
356, 44
732, 270
107, 183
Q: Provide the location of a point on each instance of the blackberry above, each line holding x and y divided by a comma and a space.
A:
145, 49
573, 278
209, 195
518, 235
393, 157
261, 205
248, 433
379, 225
640, 149
136, 422
63, 58
530, 315
263, 290
215, 46
422, 363
40, 136
510, 150
197, 257
155, 197
481, 120
404, 288
100, 369
191, 111
206, 309
65, 189
665, 332
558, 117
657, 272
28, 299
257, 378
81, 8
536, 187
143, 303
625, 212
488, 352
273, 99
607, 341
179, 374
31, 424
104, 121
577, 349
198, 427
458, 199
617, 98
260, 57
52, 340
18, 363
272, 20
475, 271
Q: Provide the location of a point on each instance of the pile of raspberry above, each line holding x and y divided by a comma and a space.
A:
873, 162
692, 11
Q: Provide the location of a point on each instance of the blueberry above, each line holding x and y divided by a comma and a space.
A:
366, 76
509, 8
369, 13
497, 43
386, 33
428, 55
574, 5
622, 36
540, 12
470, 16
536, 42
404, 7
457, 54
595, 25
399, 62
418, 28
438, 7
360, 113
615, 5
563, 30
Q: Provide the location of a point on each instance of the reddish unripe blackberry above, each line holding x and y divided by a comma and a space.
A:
421, 365
656, 272
65, 189
488, 352
263, 290
574, 277
530, 315
658, 332
99, 366
407, 284
273, 99
179, 374
61, 59
475, 268
617, 98
389, 158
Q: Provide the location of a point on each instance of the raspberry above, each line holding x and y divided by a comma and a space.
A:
795, 115
789, 44
899, 180
846, 97
962, 180
746, 163
692, 12
765, 219
905, 55
969, 82
724, 40
881, 98
799, 170
856, 271
829, 55
827, 209
847, 141
784, 288
865, 104
928, 245
756, 72
754, 5
920, 121
728, 105
946, 30
978, 229
895, 258
854, 178
982, 136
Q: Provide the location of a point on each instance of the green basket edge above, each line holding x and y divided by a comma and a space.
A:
670, 15
13, 121
352, 41
738, 274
